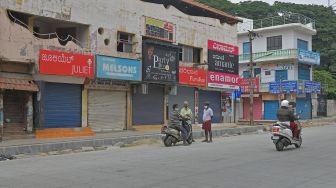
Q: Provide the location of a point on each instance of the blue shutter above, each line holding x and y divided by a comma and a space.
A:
281, 75
270, 110
62, 105
148, 109
214, 97
246, 48
304, 72
302, 44
304, 105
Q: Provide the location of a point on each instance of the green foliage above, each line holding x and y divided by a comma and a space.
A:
328, 83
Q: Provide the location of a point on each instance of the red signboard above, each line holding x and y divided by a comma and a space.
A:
223, 80
66, 64
245, 84
222, 47
192, 76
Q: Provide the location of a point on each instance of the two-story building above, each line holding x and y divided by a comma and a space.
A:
110, 65
283, 62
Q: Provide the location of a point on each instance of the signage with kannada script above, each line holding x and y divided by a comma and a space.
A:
192, 76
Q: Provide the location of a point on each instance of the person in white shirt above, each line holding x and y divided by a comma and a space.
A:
207, 117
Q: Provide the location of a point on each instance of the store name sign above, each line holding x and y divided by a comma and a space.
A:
308, 57
192, 76
223, 80
66, 64
118, 68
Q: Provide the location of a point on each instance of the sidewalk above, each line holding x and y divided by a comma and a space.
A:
35, 146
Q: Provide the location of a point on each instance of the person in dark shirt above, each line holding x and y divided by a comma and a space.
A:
285, 114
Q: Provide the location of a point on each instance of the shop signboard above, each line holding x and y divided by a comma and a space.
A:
159, 29
283, 87
312, 87
118, 68
223, 80
192, 76
308, 57
66, 64
244, 84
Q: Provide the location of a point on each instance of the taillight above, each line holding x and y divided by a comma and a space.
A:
275, 130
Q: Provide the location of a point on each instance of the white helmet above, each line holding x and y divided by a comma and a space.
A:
284, 103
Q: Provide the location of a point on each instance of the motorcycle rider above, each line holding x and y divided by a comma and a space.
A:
286, 114
175, 122
187, 115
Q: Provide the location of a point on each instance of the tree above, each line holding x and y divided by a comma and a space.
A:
328, 83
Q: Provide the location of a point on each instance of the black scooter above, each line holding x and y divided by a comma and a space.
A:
172, 135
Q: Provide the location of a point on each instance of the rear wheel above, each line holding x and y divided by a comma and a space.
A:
168, 141
279, 145
189, 140
298, 145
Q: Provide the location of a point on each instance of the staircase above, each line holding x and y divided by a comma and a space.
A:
15, 131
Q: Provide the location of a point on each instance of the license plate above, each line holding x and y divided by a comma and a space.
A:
275, 137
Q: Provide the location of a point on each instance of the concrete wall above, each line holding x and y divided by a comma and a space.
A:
331, 107
126, 16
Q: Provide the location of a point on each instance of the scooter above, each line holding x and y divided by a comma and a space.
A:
283, 135
172, 135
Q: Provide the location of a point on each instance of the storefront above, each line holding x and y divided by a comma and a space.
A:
257, 98
222, 78
160, 74
61, 83
107, 97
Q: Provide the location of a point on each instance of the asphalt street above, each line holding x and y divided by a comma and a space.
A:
230, 162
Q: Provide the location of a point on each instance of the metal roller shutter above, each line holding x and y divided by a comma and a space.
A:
304, 105
257, 108
107, 109
149, 109
214, 97
183, 94
62, 105
270, 110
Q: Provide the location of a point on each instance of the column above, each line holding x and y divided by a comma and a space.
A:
29, 115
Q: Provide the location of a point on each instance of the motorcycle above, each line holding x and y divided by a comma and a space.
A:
283, 135
172, 135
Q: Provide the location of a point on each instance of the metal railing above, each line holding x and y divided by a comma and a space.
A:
285, 18
273, 54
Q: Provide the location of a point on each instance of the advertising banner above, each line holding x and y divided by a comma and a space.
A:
308, 57
118, 68
159, 29
160, 62
244, 84
223, 80
312, 87
283, 87
66, 64
192, 76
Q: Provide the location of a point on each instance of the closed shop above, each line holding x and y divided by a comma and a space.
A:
107, 110
304, 106
62, 105
148, 109
183, 94
257, 108
270, 109
14, 106
214, 97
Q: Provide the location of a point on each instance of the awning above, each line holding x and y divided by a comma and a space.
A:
18, 84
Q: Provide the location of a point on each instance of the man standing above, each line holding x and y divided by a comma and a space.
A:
207, 117
187, 115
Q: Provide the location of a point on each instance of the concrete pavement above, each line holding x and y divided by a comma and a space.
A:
233, 162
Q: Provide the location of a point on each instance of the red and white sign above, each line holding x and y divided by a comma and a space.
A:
192, 76
66, 64
245, 84
222, 47
223, 80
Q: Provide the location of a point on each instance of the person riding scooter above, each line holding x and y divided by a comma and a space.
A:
285, 114
175, 122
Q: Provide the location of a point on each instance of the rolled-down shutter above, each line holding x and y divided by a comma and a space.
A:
62, 105
214, 97
270, 110
148, 109
107, 110
303, 106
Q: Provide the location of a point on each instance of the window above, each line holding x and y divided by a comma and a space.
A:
274, 43
246, 48
267, 73
190, 54
124, 43
281, 75
304, 72
302, 44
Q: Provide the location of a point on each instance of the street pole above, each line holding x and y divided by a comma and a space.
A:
251, 37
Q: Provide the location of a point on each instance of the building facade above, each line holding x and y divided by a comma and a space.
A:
283, 64
114, 64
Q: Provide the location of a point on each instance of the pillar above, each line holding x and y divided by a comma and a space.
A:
29, 115
1, 116
85, 108
129, 125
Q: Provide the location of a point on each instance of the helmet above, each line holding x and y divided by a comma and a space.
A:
284, 103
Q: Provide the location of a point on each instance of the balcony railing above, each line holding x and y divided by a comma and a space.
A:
269, 55
283, 19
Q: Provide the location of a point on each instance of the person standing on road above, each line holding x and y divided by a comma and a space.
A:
187, 115
207, 117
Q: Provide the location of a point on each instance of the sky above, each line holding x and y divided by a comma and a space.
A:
319, 2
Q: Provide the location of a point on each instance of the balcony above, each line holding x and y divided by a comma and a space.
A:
273, 55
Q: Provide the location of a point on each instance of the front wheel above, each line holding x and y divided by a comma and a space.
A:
298, 145
279, 146
168, 141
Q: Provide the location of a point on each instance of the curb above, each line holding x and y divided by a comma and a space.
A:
101, 142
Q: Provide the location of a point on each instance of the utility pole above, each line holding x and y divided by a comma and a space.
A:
251, 35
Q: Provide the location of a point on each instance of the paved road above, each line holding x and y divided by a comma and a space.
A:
233, 162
